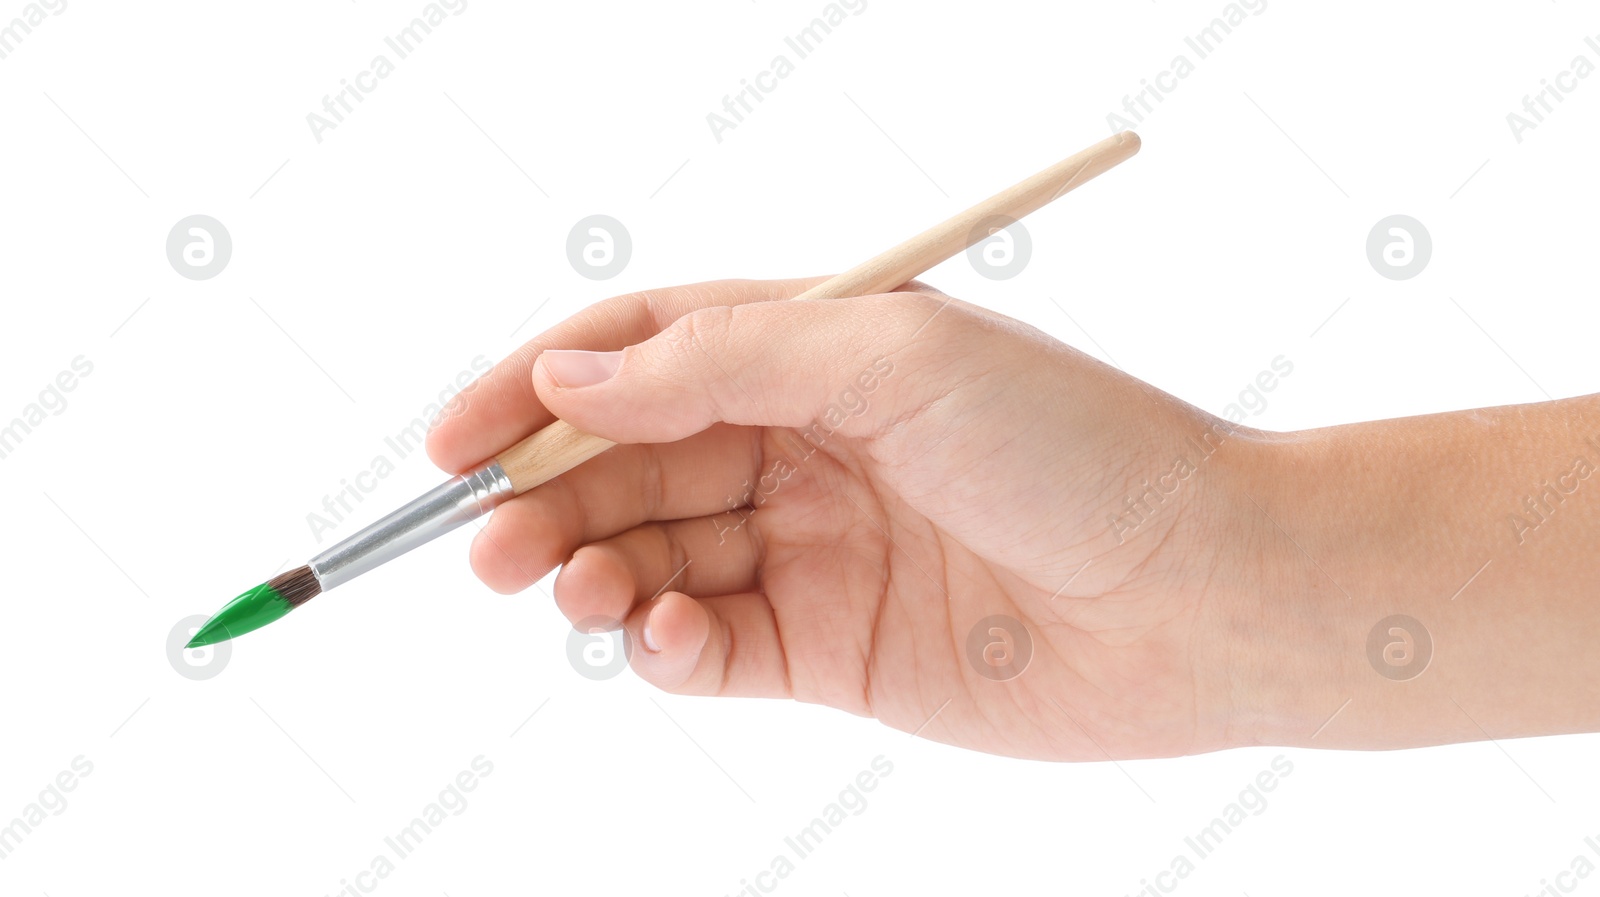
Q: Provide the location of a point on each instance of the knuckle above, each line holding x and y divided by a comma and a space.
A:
921, 317
922, 287
696, 335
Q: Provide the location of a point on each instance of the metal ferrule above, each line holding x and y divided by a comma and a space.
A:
426, 518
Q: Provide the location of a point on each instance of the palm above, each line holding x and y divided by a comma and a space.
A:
878, 573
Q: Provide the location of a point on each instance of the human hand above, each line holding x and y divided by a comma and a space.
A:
830, 495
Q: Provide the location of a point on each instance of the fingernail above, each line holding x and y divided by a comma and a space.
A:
650, 640
574, 368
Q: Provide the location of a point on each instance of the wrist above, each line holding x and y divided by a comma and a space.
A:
1322, 586
1398, 609
1285, 604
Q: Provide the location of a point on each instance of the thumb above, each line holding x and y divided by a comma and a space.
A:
783, 364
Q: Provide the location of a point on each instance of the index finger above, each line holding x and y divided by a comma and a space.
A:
500, 408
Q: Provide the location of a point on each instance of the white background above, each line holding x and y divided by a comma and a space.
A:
371, 268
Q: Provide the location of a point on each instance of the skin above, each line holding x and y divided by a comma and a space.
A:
855, 485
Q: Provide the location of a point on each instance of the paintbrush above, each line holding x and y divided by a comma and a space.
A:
560, 447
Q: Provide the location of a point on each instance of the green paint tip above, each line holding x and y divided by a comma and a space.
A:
252, 610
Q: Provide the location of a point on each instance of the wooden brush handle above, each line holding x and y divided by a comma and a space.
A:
560, 447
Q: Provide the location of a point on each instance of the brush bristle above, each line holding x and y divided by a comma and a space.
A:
297, 586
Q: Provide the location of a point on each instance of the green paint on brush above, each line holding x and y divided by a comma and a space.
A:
252, 610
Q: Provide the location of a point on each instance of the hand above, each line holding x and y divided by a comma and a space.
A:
829, 496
